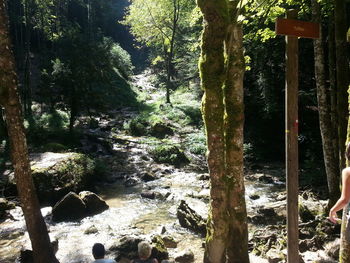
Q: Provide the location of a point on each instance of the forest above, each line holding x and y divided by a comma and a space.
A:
168, 121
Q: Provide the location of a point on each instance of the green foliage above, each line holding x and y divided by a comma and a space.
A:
74, 174
121, 59
137, 126
196, 143
55, 121
170, 28
89, 74
170, 154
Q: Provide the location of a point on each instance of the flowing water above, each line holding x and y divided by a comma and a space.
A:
129, 214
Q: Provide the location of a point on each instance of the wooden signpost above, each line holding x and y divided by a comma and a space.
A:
293, 29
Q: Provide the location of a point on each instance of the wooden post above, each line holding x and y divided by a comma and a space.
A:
291, 114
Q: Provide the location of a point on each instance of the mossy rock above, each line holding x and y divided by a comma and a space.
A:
73, 172
138, 127
159, 250
170, 154
160, 130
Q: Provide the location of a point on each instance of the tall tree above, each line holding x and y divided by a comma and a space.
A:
324, 109
221, 70
9, 99
158, 23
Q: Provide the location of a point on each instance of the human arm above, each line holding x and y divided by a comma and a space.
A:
344, 198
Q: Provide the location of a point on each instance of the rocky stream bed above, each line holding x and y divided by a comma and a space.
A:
159, 202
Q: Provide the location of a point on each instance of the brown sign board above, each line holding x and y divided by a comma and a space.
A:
297, 28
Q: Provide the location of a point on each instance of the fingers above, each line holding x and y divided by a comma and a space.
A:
333, 217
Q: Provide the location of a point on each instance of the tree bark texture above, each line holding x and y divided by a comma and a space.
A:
221, 69
9, 99
333, 88
324, 112
342, 69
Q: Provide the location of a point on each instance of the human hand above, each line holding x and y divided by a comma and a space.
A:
333, 217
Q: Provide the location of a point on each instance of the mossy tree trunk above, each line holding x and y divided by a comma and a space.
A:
221, 69
324, 111
9, 99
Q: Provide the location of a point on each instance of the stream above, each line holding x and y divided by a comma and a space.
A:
129, 214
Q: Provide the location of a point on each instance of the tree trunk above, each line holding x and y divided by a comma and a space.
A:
342, 69
221, 69
333, 88
331, 164
237, 243
170, 54
9, 99
27, 92
343, 111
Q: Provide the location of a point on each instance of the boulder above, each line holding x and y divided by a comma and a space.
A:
70, 208
169, 242
94, 204
5, 205
126, 247
57, 174
265, 178
188, 218
159, 250
91, 230
147, 177
148, 194
131, 181
160, 130
254, 196
185, 257
332, 249
170, 154
274, 256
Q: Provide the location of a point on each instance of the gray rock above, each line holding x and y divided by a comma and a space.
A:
5, 205
274, 256
94, 204
169, 242
70, 208
160, 130
254, 197
332, 249
131, 181
148, 195
147, 177
91, 230
188, 218
185, 257
126, 247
